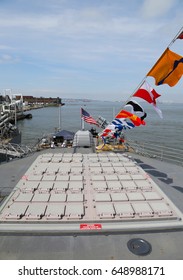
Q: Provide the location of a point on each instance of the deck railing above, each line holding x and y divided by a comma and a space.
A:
15, 150
161, 152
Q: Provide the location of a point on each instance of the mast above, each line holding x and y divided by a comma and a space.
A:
59, 102
59, 116
15, 114
82, 122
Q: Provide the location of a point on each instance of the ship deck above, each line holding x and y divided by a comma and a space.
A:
88, 206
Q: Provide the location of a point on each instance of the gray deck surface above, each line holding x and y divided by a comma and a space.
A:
165, 244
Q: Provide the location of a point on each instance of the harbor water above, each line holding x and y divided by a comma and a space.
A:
167, 131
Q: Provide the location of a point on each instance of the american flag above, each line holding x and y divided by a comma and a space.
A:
87, 118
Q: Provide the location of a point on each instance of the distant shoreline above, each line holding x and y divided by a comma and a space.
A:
38, 106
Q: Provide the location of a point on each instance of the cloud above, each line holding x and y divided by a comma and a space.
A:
75, 35
6, 58
156, 8
5, 47
72, 22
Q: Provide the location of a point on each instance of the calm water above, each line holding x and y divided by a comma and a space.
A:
167, 131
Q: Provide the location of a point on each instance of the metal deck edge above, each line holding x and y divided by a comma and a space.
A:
105, 227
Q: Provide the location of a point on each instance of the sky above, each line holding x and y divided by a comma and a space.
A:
94, 49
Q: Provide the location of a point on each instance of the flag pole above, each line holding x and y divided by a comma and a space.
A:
176, 36
82, 122
83, 125
59, 117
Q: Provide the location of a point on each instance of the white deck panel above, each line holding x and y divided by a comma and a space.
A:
129, 164
57, 197
114, 185
97, 177
35, 211
15, 211
102, 197
40, 197
75, 197
138, 176
152, 196
76, 177
56, 159
74, 211
135, 196
120, 170
114, 159
105, 211
119, 197
24, 197
64, 170
38, 169
124, 177
55, 211
94, 164
45, 186
76, 170
100, 186
60, 155
132, 170
46, 158
117, 164
124, 210
108, 170
57, 156
77, 158
61, 177
128, 185
123, 158
94, 160
143, 209
111, 177
66, 159
48, 177
95, 169
60, 186
47, 155
65, 155
106, 164
76, 186
161, 208
104, 159
143, 184
32, 177
52, 168
75, 163
29, 186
